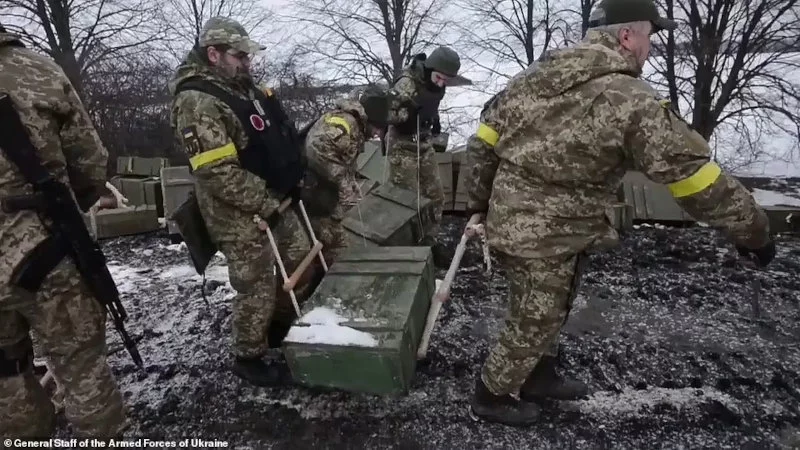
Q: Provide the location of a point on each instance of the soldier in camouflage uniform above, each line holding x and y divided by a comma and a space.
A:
246, 159
546, 161
68, 322
332, 146
412, 162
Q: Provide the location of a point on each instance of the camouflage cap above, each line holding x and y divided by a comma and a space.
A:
224, 30
610, 12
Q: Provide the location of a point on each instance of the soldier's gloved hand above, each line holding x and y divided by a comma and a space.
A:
437, 126
760, 256
475, 219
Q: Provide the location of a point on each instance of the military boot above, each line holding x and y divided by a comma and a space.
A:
544, 382
262, 373
503, 409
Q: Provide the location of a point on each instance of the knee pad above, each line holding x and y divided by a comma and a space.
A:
16, 359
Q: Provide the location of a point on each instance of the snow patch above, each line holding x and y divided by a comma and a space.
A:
127, 278
324, 328
176, 247
218, 273
632, 402
772, 198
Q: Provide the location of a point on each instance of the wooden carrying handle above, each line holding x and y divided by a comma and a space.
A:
289, 284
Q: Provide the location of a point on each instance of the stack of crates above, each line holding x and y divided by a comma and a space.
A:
138, 180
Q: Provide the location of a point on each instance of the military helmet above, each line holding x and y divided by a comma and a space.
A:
382, 106
223, 30
444, 60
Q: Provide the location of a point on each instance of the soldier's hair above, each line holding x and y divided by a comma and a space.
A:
203, 51
613, 29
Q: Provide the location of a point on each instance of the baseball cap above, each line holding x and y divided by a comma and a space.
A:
224, 30
610, 12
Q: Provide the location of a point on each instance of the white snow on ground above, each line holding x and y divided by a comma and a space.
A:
772, 198
631, 402
324, 328
127, 278
215, 272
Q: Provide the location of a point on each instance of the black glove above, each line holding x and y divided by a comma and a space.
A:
761, 256
437, 126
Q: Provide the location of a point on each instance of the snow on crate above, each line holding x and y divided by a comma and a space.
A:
323, 328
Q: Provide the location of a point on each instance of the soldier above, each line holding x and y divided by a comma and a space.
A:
546, 160
68, 322
333, 144
412, 164
246, 159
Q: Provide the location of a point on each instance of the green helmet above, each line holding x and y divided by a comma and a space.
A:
444, 60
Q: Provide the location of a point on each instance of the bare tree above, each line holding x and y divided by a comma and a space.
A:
304, 96
184, 19
80, 34
364, 41
733, 63
513, 31
129, 104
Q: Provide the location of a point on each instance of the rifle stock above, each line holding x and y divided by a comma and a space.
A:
68, 233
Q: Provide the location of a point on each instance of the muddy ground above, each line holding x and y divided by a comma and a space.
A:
664, 331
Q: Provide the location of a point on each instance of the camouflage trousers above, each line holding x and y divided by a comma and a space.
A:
541, 292
69, 326
253, 273
403, 172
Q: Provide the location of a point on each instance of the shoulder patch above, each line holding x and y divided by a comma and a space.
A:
340, 124
191, 141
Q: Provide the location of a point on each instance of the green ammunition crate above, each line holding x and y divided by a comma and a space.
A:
109, 223
153, 195
444, 162
387, 216
133, 190
380, 298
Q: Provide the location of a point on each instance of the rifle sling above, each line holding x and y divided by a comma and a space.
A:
38, 263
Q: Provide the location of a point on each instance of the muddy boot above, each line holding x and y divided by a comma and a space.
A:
544, 382
503, 409
262, 373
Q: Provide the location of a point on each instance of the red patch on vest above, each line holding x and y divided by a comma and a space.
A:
257, 122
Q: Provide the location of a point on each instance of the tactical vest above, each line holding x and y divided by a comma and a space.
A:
428, 102
273, 149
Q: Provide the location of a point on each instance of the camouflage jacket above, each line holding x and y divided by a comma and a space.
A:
550, 152
229, 196
333, 143
411, 86
61, 131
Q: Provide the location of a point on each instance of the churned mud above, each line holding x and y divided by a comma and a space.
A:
681, 346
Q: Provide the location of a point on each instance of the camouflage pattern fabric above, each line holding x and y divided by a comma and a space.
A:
223, 30
409, 164
69, 323
558, 141
250, 272
229, 197
548, 158
70, 327
541, 292
405, 171
334, 143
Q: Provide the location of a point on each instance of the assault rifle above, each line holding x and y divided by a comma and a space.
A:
68, 233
